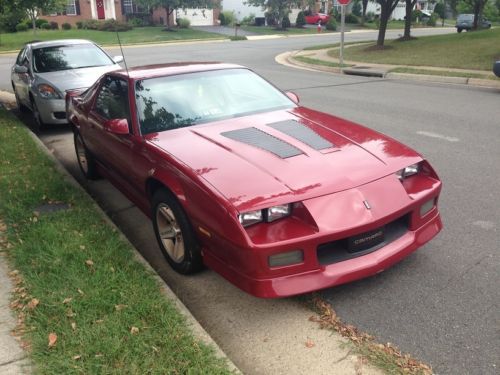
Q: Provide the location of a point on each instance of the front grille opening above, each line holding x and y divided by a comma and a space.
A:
363, 243
60, 115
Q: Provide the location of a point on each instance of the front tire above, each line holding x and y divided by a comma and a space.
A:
20, 106
175, 234
86, 161
459, 30
36, 116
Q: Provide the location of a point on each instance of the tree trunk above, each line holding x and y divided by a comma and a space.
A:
409, 10
363, 12
167, 21
477, 8
384, 18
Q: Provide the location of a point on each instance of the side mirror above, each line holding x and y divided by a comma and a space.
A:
118, 59
117, 126
293, 96
20, 69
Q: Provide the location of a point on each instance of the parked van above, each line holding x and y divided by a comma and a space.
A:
466, 22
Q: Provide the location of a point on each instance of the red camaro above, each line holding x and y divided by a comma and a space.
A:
314, 18
277, 198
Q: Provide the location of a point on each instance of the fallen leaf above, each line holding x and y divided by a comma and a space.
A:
120, 307
77, 357
98, 355
33, 303
89, 262
82, 247
80, 291
52, 339
99, 321
134, 330
67, 300
309, 343
73, 326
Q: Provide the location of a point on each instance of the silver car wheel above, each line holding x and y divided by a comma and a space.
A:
170, 233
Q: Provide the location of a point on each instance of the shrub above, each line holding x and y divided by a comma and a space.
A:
113, 25
416, 15
285, 23
90, 24
21, 27
184, 23
29, 24
369, 17
432, 19
226, 18
39, 22
79, 24
136, 22
54, 25
249, 20
331, 24
301, 20
357, 8
351, 18
66, 26
46, 26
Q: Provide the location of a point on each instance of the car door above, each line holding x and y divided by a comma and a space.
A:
112, 150
21, 81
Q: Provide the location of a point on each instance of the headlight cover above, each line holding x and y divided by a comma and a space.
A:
48, 92
408, 171
266, 215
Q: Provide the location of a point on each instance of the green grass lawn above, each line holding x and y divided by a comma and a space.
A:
270, 30
473, 50
79, 280
14, 41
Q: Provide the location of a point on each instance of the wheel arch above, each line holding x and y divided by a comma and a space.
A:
156, 182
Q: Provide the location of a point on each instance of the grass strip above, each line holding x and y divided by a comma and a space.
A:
310, 60
271, 30
446, 73
85, 304
151, 34
474, 50
387, 357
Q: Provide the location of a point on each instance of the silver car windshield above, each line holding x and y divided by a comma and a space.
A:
172, 102
73, 56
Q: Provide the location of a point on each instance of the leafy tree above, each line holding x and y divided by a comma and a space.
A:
171, 5
10, 16
33, 8
386, 9
439, 9
277, 9
356, 8
301, 20
364, 3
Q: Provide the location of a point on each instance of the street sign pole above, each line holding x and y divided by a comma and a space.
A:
342, 26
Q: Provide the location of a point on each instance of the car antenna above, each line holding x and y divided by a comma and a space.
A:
121, 49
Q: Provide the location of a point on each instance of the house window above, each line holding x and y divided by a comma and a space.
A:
128, 7
71, 8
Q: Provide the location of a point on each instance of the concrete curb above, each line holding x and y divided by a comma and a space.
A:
198, 331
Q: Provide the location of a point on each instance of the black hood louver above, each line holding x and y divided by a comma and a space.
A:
302, 133
258, 138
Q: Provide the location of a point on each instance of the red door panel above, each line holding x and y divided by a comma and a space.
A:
100, 9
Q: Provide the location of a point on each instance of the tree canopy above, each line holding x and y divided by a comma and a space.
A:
171, 5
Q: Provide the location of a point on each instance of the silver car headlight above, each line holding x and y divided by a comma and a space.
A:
408, 171
266, 215
48, 92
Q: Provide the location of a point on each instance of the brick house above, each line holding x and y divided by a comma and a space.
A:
123, 10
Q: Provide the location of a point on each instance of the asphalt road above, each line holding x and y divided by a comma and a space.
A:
441, 303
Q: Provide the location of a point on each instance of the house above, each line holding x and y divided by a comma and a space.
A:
124, 10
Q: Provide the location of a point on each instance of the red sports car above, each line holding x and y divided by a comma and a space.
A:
235, 175
314, 18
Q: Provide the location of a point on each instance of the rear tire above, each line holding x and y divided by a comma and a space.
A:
175, 234
459, 30
86, 161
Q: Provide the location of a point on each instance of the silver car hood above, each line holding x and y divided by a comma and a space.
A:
70, 79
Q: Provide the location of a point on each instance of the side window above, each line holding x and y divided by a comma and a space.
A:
112, 99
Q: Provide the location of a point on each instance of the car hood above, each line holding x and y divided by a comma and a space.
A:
312, 154
74, 78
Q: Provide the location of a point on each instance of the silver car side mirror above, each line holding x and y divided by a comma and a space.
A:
20, 69
118, 59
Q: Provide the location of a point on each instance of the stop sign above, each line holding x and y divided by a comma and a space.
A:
343, 2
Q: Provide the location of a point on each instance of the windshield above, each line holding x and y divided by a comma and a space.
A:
72, 56
172, 102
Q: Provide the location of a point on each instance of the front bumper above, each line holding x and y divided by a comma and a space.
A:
52, 111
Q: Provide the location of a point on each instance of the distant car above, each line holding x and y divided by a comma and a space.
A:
496, 68
466, 22
43, 71
277, 198
314, 18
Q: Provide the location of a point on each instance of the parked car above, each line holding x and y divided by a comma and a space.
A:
314, 18
236, 175
496, 68
466, 22
43, 71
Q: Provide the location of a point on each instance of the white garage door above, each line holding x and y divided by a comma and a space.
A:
197, 17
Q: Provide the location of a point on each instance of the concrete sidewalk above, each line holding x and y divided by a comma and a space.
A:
384, 70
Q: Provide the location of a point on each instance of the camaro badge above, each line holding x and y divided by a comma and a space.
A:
367, 205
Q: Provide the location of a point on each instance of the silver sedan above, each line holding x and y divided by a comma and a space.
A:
44, 71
